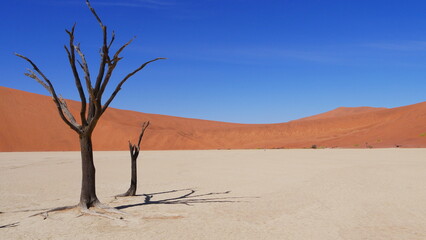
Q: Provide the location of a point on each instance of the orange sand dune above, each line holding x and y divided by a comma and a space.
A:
342, 111
30, 122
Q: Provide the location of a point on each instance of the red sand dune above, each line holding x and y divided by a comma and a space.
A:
30, 122
342, 111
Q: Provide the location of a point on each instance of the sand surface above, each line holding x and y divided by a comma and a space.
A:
237, 194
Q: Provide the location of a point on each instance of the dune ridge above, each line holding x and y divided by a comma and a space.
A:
29, 122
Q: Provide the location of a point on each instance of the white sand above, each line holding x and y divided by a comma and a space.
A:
274, 194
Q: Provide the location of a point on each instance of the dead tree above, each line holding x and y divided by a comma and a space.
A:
134, 153
92, 107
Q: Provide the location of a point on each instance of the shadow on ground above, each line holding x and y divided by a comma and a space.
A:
186, 197
15, 224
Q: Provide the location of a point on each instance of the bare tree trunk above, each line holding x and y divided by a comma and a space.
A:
88, 196
134, 153
134, 179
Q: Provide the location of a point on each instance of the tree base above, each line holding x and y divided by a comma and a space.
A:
131, 192
97, 209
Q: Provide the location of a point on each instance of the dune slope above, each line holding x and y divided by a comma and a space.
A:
30, 122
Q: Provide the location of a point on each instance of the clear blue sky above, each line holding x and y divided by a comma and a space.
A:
240, 61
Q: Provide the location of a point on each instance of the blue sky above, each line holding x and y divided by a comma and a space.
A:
242, 61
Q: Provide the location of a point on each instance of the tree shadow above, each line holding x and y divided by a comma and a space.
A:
15, 224
188, 198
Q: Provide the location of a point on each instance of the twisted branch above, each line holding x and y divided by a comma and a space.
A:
48, 85
112, 63
85, 67
95, 91
144, 127
118, 88
72, 61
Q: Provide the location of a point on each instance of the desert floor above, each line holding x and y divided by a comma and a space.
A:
227, 194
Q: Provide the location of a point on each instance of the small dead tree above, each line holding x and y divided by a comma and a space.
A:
92, 107
134, 153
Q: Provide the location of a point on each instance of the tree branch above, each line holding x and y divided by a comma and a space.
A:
66, 110
112, 39
33, 75
85, 67
144, 127
112, 63
104, 60
104, 51
131, 148
72, 61
51, 89
122, 48
95, 108
62, 102
118, 88
94, 13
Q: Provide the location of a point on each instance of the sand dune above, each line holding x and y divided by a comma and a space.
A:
29, 122
342, 111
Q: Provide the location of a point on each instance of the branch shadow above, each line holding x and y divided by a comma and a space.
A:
15, 224
188, 198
